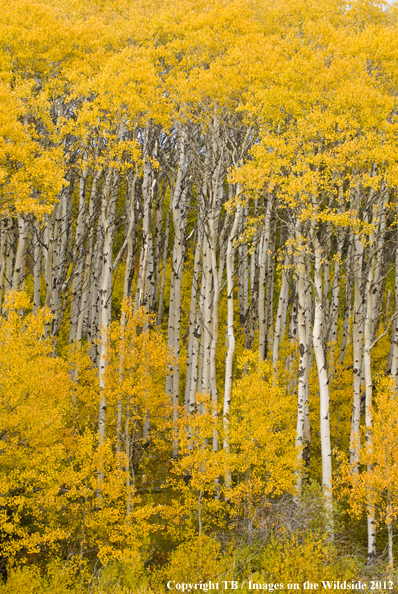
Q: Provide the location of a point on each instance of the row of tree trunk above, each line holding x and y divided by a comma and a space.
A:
177, 214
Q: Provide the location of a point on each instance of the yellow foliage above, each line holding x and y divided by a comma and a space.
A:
199, 556
315, 82
263, 432
298, 558
378, 457
49, 457
137, 362
261, 456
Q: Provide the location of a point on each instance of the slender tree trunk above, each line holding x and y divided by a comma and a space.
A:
164, 266
326, 451
269, 301
36, 264
348, 299
230, 332
263, 260
394, 359
192, 353
107, 221
78, 269
302, 392
357, 339
3, 257
280, 321
179, 211
20, 257
371, 520
86, 286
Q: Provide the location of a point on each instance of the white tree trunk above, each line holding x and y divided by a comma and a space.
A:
192, 353
230, 333
280, 320
263, 260
76, 294
302, 387
357, 339
107, 221
179, 211
326, 452
371, 520
20, 257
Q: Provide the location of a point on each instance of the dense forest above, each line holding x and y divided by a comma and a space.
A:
199, 295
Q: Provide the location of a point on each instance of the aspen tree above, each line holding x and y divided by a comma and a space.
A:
76, 292
107, 221
193, 340
130, 235
2, 256
302, 382
348, 298
373, 279
86, 286
164, 263
217, 279
179, 207
323, 379
20, 256
394, 339
357, 340
335, 292
9, 255
230, 328
264, 257
243, 277
206, 321
160, 190
96, 272
145, 286
270, 281
280, 320
371, 522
